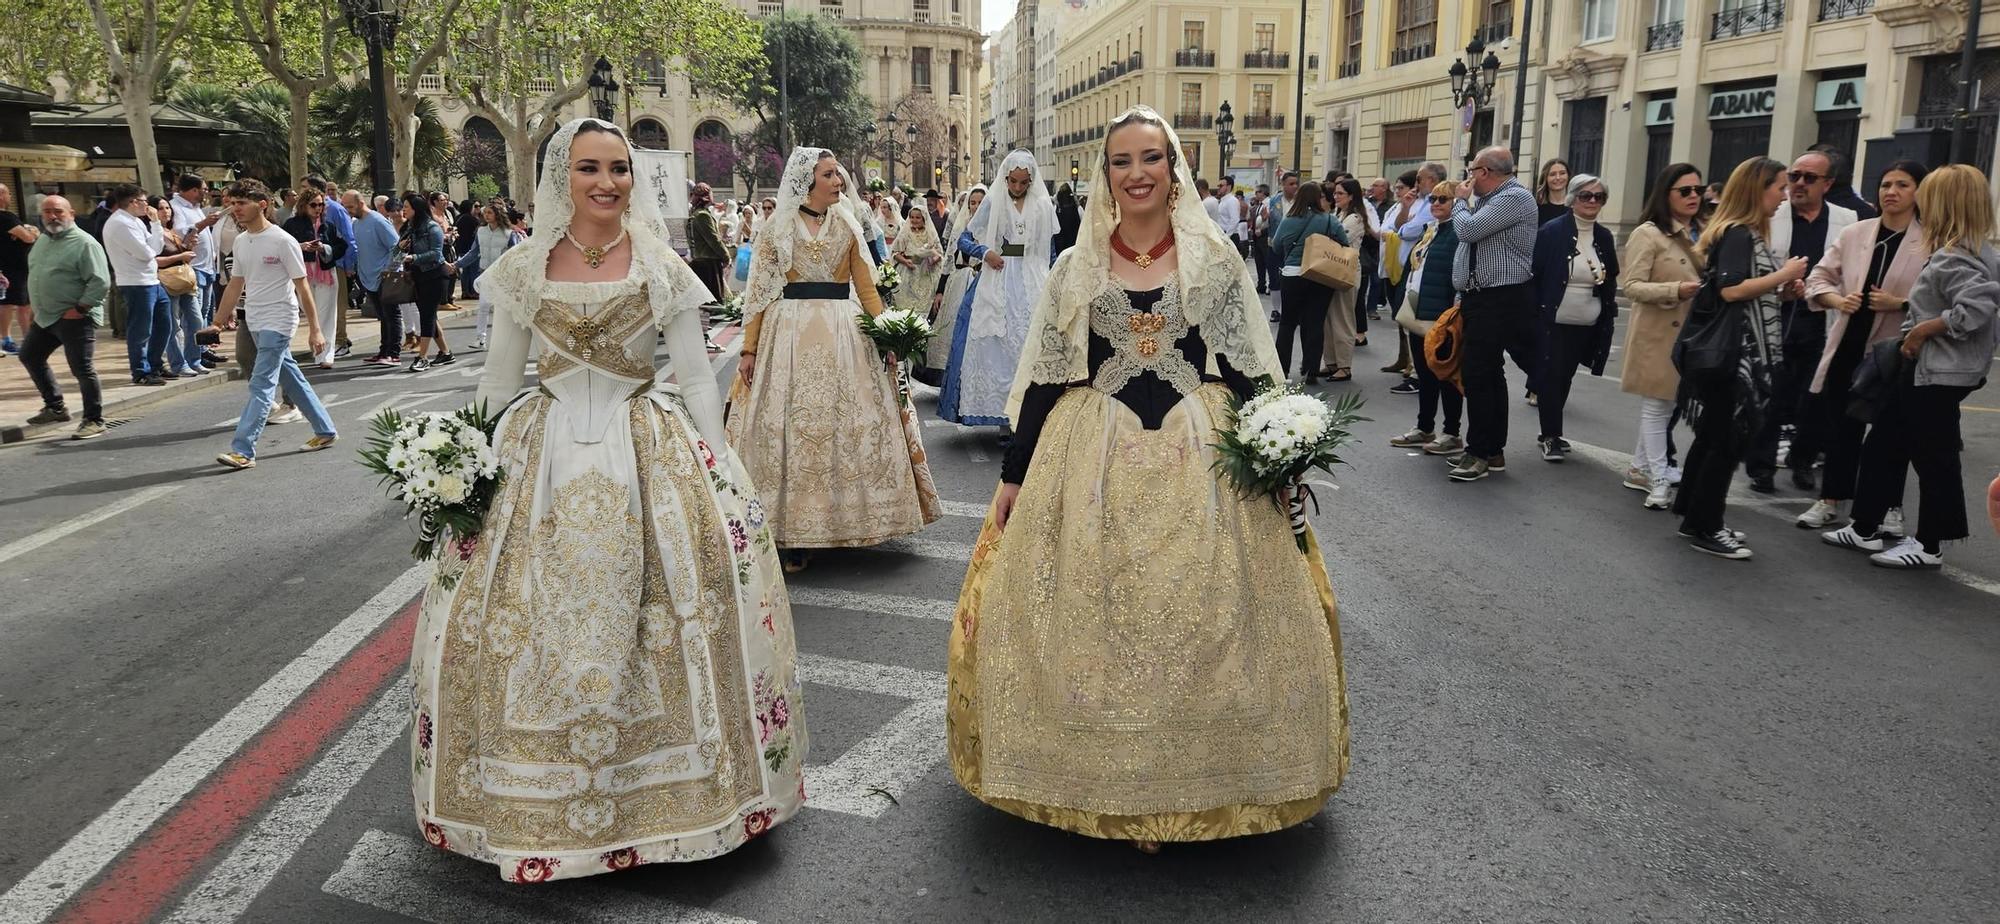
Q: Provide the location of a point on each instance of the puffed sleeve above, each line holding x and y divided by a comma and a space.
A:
506, 361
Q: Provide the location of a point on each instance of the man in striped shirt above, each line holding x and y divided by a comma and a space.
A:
1492, 270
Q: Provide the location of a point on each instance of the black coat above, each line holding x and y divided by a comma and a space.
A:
300, 227
1553, 246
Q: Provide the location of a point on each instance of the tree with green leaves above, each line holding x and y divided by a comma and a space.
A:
343, 137
264, 111
306, 46
826, 107
523, 64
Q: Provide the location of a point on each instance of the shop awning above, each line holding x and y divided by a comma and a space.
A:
28, 156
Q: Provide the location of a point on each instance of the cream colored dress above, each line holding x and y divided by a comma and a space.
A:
611, 682
833, 448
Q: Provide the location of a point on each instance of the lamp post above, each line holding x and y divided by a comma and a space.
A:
1299, 117
1521, 78
889, 144
1225, 139
375, 21
1472, 79
602, 89
1074, 172
909, 149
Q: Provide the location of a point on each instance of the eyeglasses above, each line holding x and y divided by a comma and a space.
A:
1597, 197
1694, 190
1801, 176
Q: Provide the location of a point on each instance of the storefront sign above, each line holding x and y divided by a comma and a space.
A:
1844, 93
1752, 103
1660, 111
42, 157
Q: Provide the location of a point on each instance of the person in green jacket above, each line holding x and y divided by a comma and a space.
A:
68, 277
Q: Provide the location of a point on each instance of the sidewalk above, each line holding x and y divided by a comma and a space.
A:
19, 400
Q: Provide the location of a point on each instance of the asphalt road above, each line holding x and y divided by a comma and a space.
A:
1561, 713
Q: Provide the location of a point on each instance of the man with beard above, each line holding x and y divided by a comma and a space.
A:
1013, 237
70, 278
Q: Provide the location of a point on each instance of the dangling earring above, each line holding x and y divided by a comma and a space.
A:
1174, 196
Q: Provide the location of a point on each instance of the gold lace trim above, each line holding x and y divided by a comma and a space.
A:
598, 340
1142, 341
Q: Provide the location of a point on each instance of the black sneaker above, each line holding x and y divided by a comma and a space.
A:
1736, 534
149, 380
1404, 387
1763, 484
444, 359
50, 414
1721, 544
169, 375
1553, 449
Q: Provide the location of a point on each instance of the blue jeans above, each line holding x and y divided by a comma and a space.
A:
149, 326
183, 354
208, 292
276, 367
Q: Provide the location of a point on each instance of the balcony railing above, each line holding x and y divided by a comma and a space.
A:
1310, 123
1830, 10
1194, 57
1312, 62
430, 83
1768, 16
1263, 122
1664, 35
1267, 59
1348, 68
1193, 120
1493, 32
1408, 53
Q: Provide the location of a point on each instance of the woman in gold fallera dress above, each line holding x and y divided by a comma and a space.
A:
831, 445
610, 681
1139, 652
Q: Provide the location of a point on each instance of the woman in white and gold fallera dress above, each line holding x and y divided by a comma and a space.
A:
611, 681
832, 446
1140, 653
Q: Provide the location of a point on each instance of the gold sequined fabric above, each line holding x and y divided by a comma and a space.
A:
597, 340
830, 443
1142, 653
611, 681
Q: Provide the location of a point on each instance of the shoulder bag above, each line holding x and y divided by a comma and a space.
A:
1711, 341
1328, 263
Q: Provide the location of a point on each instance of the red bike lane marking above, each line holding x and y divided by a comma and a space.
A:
159, 866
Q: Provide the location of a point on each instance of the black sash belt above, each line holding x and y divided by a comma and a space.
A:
820, 290
1013, 250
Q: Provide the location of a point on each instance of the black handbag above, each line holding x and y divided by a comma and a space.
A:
398, 287
1711, 342
1874, 382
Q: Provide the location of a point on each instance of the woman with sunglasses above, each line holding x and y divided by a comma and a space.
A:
1428, 294
1863, 284
1661, 274
1576, 289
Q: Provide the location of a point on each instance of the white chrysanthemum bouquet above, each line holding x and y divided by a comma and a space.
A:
886, 277
443, 468
1276, 438
898, 331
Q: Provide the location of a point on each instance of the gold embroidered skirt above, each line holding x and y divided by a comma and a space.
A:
832, 447
611, 681
1143, 654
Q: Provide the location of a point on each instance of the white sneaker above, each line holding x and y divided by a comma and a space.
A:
1908, 553
1674, 475
1892, 523
1822, 515
1637, 479
1660, 496
1847, 538
284, 414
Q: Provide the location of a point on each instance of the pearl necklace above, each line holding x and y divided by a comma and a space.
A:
595, 255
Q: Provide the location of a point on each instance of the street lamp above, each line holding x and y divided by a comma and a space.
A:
602, 89
375, 21
1225, 139
889, 144
1472, 78
1074, 172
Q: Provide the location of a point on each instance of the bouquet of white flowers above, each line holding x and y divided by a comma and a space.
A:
731, 310
444, 470
897, 331
1279, 435
886, 277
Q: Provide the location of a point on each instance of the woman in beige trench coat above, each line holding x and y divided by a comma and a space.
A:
1661, 275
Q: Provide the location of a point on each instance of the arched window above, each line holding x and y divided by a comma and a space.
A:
649, 133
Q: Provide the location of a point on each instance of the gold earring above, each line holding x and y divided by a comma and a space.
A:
1174, 196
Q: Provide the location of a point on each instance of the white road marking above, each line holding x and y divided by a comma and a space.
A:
899, 753
976, 453
964, 509
31, 542
405, 876
235, 883
1780, 508
405, 402
331, 404
934, 423
891, 604
926, 547
64, 873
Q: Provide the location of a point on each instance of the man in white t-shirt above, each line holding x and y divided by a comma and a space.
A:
270, 278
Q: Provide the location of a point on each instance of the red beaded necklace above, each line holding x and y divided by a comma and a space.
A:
1142, 260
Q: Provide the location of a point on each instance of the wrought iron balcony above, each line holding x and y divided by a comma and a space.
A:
1266, 121
1830, 10
1661, 36
1267, 59
1194, 57
1408, 53
1768, 16
1193, 120
1347, 69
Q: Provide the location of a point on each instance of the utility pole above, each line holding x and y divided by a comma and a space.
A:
1299, 116
1961, 124
1521, 79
